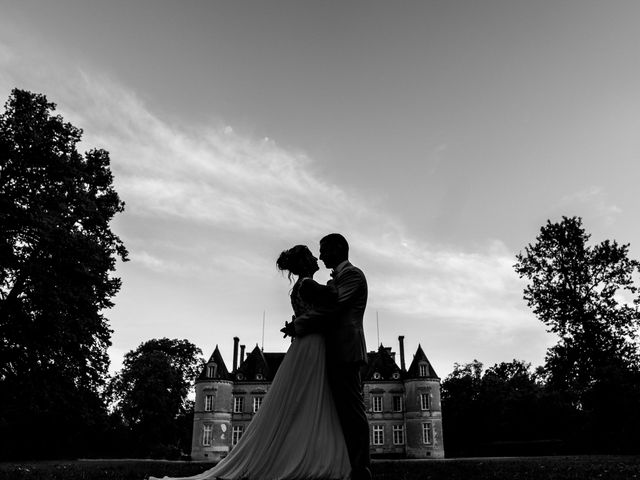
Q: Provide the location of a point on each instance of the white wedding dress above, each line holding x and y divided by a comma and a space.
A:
296, 434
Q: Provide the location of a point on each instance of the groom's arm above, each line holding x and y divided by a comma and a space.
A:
320, 319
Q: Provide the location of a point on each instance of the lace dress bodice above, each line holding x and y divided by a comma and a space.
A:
299, 305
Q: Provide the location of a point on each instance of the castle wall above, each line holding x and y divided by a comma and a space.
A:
381, 424
247, 391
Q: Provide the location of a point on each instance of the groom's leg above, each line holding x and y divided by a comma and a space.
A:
346, 387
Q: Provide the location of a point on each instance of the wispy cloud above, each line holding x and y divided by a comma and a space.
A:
597, 201
248, 192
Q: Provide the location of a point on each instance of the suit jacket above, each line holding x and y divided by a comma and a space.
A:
341, 322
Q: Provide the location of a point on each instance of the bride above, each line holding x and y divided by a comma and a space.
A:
296, 434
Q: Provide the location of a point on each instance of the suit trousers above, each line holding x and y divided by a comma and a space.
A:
346, 387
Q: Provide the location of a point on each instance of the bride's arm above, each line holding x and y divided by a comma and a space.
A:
317, 294
323, 298
319, 318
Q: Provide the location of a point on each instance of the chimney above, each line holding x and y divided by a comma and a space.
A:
402, 365
235, 353
241, 355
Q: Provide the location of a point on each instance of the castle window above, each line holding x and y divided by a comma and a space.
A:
207, 435
424, 370
257, 403
236, 434
398, 434
211, 370
208, 403
427, 433
378, 434
425, 401
397, 403
238, 404
376, 403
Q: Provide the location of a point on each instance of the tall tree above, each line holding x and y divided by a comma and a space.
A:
150, 392
57, 255
587, 296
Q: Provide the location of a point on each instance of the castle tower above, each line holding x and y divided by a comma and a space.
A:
212, 411
423, 410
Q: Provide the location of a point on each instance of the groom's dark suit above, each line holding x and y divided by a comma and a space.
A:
346, 353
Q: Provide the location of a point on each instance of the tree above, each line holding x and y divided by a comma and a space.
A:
57, 253
586, 294
579, 292
461, 416
511, 392
493, 412
150, 392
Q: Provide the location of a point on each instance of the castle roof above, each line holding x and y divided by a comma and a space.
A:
260, 365
420, 359
381, 365
220, 371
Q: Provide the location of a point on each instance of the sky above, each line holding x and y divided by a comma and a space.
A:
436, 136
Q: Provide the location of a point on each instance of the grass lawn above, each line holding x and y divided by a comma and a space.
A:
529, 468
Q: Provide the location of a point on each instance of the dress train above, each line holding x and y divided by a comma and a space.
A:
296, 434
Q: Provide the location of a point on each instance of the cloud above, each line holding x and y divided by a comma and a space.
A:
460, 286
205, 200
598, 202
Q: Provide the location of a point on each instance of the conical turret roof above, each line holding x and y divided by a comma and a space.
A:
220, 370
418, 359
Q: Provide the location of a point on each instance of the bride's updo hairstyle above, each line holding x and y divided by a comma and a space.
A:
292, 261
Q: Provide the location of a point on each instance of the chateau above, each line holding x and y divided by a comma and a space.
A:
403, 405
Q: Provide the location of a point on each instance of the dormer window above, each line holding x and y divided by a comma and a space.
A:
395, 375
424, 370
259, 376
240, 376
377, 376
212, 370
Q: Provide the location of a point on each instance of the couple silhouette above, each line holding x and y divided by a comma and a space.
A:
312, 423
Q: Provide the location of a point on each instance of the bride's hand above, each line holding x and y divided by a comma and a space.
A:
288, 329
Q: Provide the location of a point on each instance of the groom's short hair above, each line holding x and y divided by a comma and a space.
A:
337, 242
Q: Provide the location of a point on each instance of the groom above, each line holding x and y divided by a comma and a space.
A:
346, 348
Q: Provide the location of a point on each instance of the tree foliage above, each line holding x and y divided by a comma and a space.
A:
587, 296
150, 393
57, 254
492, 411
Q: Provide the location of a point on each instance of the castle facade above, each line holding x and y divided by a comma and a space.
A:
403, 405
